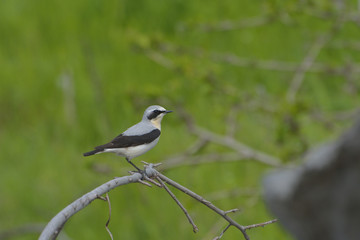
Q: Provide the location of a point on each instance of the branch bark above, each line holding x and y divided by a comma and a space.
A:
56, 224
222, 213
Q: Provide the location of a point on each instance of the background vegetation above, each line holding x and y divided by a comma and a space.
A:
74, 74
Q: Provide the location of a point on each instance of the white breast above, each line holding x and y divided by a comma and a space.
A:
132, 152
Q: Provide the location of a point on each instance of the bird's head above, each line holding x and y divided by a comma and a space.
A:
155, 114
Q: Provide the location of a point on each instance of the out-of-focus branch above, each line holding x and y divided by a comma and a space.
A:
159, 55
230, 25
240, 150
330, 120
282, 66
348, 44
344, 16
160, 59
305, 66
30, 228
184, 160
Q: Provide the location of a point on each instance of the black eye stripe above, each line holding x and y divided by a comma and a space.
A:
154, 114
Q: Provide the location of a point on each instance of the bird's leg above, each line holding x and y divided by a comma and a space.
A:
140, 171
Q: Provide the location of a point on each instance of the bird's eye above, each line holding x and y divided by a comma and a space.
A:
154, 114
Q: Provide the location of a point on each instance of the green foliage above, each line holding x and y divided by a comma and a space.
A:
74, 74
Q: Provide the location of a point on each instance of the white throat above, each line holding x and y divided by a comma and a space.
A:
156, 123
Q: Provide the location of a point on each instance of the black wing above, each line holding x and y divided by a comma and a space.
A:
123, 141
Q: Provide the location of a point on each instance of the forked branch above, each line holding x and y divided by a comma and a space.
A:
56, 224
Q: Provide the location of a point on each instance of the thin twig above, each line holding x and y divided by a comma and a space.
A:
152, 181
214, 229
232, 210
145, 183
222, 232
260, 224
107, 199
195, 228
205, 202
108, 221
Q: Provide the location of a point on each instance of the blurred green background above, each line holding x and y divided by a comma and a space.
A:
74, 74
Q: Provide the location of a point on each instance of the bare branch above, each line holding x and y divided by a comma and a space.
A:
205, 202
107, 199
260, 224
232, 210
56, 224
145, 183
108, 221
214, 229
152, 181
222, 232
195, 228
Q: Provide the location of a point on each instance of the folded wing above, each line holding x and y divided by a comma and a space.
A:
124, 141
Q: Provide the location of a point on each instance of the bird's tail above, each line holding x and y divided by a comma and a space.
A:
92, 152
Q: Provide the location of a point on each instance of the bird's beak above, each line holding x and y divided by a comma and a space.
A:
168, 111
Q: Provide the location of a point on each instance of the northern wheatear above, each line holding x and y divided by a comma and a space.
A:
137, 139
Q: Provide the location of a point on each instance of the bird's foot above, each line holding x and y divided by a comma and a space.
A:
142, 172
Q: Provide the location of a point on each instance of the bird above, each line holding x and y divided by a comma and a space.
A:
137, 139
